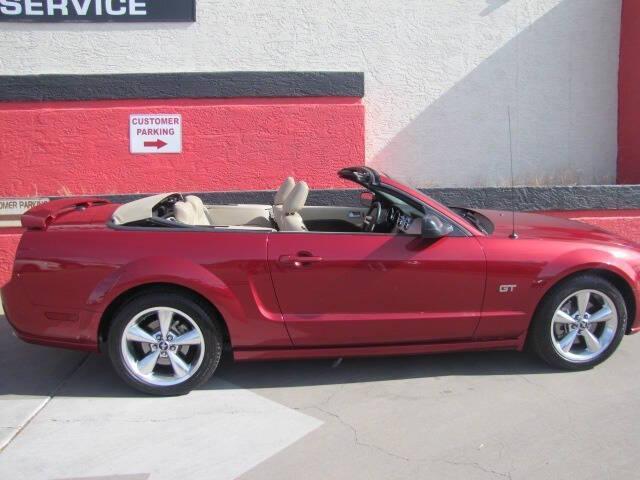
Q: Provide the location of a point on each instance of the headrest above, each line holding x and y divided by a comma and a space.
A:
202, 214
296, 199
284, 191
185, 213
195, 201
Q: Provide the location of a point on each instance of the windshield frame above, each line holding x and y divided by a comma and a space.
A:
373, 180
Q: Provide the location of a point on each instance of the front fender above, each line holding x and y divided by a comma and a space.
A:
509, 312
617, 262
620, 262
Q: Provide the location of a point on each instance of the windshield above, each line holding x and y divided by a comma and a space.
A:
466, 217
396, 200
387, 186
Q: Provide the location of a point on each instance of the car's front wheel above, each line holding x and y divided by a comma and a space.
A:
164, 343
580, 323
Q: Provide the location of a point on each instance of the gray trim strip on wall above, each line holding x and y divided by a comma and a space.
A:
578, 197
181, 85
589, 197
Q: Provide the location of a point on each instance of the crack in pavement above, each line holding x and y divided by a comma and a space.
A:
46, 401
356, 438
358, 441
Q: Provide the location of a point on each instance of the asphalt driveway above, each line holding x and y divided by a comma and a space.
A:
65, 415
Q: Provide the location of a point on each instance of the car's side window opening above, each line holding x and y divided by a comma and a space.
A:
383, 210
386, 213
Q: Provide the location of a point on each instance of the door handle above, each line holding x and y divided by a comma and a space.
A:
354, 214
299, 260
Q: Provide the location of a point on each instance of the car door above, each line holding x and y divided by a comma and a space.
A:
368, 288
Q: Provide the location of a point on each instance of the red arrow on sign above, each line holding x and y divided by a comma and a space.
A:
158, 144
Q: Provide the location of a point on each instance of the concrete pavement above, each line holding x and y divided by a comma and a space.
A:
80, 421
474, 416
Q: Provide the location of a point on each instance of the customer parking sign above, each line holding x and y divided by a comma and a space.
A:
157, 133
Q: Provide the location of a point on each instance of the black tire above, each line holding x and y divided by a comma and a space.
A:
205, 318
540, 336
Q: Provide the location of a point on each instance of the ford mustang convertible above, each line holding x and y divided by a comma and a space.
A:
164, 283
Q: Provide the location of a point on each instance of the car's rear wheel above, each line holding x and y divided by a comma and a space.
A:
165, 343
580, 323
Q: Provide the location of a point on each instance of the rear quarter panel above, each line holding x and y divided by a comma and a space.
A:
67, 276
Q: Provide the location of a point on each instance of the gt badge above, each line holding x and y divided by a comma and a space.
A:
506, 288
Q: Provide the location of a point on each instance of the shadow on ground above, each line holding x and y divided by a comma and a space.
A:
43, 371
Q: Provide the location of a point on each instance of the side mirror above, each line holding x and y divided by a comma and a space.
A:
433, 227
366, 199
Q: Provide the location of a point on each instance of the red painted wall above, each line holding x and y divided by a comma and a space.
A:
76, 148
82, 147
9, 239
629, 95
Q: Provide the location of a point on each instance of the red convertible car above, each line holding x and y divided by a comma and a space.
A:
164, 283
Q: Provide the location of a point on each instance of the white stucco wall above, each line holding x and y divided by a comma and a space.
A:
439, 74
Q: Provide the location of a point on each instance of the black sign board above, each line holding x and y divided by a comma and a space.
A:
54, 11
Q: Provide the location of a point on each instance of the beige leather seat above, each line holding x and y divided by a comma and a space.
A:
185, 213
249, 214
286, 215
202, 216
192, 211
284, 191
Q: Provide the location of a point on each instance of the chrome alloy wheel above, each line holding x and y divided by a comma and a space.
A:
162, 346
584, 325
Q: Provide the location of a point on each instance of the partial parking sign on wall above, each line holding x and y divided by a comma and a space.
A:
12, 208
157, 133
